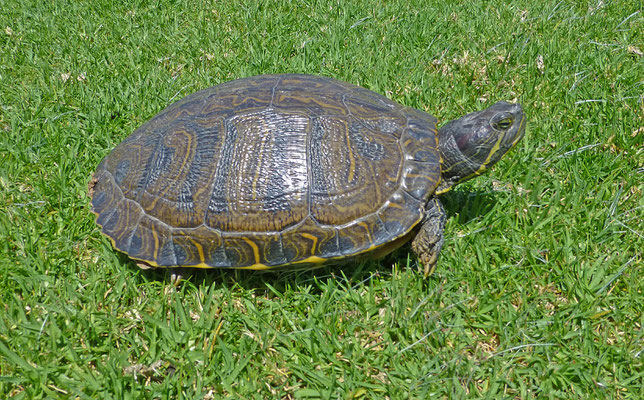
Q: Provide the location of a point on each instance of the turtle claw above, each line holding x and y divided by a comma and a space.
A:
175, 277
430, 265
429, 240
143, 265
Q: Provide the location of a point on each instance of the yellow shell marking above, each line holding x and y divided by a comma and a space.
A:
260, 154
366, 228
352, 159
156, 242
184, 162
307, 100
199, 247
312, 238
255, 250
309, 260
429, 178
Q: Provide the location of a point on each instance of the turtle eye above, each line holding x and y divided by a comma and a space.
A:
504, 124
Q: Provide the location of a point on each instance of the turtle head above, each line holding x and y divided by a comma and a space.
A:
471, 144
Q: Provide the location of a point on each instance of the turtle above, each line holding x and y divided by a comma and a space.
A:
290, 170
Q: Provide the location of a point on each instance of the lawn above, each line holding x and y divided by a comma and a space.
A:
538, 292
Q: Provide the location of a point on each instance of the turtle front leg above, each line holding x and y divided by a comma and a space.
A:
429, 240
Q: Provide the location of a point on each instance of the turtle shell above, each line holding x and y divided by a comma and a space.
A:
269, 171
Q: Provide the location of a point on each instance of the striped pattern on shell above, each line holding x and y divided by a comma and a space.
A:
268, 171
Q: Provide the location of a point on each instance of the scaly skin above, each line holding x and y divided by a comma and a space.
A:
429, 240
469, 146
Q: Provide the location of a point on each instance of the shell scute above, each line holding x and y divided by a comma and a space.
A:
268, 171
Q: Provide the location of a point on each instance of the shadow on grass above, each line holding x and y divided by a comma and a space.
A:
279, 280
462, 205
468, 205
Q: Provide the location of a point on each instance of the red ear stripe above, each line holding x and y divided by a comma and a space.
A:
462, 141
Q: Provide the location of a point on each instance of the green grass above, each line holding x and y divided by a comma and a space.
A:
538, 292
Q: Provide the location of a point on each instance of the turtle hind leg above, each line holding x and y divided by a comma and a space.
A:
429, 239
